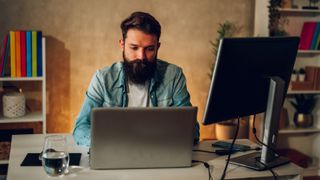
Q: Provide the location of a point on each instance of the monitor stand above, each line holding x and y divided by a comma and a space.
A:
267, 159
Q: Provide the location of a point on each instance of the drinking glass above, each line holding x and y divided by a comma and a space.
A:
55, 157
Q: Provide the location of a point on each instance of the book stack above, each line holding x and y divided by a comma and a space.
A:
310, 36
312, 81
21, 54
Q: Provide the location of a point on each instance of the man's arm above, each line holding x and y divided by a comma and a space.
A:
181, 97
94, 98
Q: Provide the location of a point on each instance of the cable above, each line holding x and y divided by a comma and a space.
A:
230, 149
274, 174
207, 165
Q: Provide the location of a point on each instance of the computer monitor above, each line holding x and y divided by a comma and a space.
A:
252, 75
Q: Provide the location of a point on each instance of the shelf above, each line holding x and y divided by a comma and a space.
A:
30, 117
311, 171
21, 79
288, 10
291, 92
294, 130
308, 51
4, 161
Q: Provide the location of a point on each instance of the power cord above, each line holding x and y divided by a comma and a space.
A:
261, 143
274, 174
230, 149
207, 165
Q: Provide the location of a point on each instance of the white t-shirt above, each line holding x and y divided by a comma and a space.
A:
138, 95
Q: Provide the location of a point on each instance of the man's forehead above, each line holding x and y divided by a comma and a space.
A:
135, 36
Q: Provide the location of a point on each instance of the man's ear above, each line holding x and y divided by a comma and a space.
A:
159, 44
121, 44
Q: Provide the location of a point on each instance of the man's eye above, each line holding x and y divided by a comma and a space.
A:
134, 48
150, 49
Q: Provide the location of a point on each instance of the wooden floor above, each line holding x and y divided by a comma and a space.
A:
312, 178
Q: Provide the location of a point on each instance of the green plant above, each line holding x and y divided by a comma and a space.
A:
302, 71
276, 22
226, 29
304, 103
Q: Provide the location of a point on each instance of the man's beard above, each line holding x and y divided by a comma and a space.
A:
139, 70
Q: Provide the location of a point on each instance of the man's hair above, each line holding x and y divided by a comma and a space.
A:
141, 21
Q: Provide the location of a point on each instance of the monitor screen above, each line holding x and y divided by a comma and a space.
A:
241, 76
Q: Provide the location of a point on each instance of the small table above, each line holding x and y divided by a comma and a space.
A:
23, 144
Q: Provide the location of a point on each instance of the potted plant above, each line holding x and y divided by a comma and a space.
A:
302, 74
226, 129
294, 75
304, 105
276, 22
226, 29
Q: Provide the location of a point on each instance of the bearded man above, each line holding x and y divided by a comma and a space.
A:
140, 80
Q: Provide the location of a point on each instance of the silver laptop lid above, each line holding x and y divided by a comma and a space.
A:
142, 137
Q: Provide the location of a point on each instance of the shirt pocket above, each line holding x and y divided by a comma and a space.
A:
165, 102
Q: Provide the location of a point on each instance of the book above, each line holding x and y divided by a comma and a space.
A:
12, 54
306, 35
34, 53
18, 54
315, 37
39, 53
3, 53
28, 54
6, 65
318, 41
23, 53
317, 84
311, 75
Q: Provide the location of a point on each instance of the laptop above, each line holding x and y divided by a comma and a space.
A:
125, 138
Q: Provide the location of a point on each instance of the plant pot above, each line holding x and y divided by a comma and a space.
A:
302, 77
226, 131
294, 77
303, 120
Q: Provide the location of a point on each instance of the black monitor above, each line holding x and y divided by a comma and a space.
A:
252, 75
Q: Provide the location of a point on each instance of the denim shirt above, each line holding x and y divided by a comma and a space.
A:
108, 88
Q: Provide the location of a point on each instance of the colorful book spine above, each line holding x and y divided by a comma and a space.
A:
39, 53
315, 37
18, 54
34, 53
306, 35
12, 54
317, 46
6, 67
3, 54
29, 54
23, 53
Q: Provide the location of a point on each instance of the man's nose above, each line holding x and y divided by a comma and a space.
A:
141, 54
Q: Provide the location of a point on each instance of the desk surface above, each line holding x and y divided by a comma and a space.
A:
23, 144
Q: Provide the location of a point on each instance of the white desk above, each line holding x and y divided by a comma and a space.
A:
23, 144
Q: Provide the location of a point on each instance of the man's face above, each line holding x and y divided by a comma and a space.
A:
139, 54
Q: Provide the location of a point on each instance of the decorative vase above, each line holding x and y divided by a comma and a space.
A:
303, 120
226, 131
302, 77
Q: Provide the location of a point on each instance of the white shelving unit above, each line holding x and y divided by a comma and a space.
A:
305, 140
294, 130
299, 11
36, 116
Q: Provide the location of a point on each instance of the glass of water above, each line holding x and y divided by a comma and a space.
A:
55, 157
